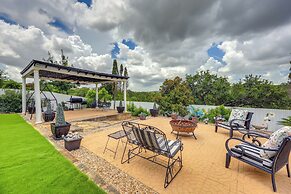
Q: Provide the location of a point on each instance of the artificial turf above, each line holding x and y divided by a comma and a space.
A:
30, 164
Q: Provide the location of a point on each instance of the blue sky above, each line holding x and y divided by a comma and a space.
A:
215, 52
116, 50
6, 18
87, 2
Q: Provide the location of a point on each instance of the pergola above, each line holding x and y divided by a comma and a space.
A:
40, 70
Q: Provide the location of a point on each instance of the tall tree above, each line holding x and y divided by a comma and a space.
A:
114, 85
3, 77
126, 75
209, 88
120, 73
64, 60
253, 91
175, 95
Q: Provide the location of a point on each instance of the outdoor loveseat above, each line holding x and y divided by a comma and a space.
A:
252, 154
238, 120
145, 137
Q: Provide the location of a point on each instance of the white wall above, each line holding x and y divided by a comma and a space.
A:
259, 113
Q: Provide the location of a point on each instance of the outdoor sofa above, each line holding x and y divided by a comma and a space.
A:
145, 137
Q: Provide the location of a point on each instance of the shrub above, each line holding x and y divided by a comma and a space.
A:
218, 111
285, 121
140, 110
10, 101
131, 107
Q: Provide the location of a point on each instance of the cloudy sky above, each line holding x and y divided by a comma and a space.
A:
154, 39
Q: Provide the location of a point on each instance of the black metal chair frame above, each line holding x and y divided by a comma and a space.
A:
234, 126
138, 147
280, 160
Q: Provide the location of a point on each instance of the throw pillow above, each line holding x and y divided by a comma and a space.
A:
275, 141
238, 114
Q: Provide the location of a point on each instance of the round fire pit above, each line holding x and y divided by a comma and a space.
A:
184, 126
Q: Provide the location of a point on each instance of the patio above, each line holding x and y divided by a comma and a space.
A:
203, 164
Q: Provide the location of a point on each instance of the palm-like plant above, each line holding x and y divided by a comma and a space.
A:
285, 121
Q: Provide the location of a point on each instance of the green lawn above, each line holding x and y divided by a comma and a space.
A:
30, 164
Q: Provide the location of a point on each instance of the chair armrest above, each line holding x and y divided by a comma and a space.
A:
255, 134
239, 146
233, 121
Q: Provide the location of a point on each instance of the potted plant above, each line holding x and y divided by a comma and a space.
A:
174, 115
120, 108
31, 107
49, 115
72, 141
60, 127
154, 111
142, 116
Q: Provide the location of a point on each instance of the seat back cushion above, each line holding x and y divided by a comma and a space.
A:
238, 114
275, 141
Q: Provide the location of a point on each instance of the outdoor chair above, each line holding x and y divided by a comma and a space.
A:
238, 120
144, 137
250, 153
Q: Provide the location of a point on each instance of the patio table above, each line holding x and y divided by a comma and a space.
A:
118, 135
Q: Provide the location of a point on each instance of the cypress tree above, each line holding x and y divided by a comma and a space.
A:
114, 84
126, 75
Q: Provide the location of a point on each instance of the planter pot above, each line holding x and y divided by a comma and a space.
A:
120, 109
47, 117
174, 116
58, 131
72, 144
142, 117
154, 112
31, 110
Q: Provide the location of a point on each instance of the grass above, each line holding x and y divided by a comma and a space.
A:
30, 164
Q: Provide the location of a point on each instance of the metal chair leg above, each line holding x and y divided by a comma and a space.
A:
274, 183
194, 136
227, 160
288, 171
106, 145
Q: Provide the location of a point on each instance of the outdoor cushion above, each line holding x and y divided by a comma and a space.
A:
275, 141
238, 114
174, 146
252, 154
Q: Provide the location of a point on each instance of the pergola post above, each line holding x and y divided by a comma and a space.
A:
23, 95
37, 97
97, 98
124, 98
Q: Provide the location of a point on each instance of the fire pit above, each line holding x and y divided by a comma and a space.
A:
183, 126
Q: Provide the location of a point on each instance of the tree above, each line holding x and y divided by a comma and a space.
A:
126, 75
11, 84
208, 88
3, 77
59, 86
114, 85
64, 60
175, 95
121, 74
253, 91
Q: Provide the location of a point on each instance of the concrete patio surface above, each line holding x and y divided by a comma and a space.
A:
203, 164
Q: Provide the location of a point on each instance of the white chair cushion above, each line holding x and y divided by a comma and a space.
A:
238, 114
275, 141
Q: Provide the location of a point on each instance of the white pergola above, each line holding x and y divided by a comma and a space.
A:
40, 70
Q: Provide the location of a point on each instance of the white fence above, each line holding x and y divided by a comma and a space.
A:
258, 117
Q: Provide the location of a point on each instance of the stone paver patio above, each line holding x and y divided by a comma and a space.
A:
203, 164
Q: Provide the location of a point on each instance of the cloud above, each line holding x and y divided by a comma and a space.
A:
172, 36
18, 46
